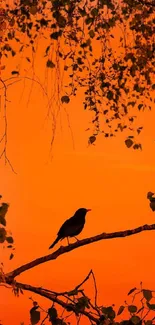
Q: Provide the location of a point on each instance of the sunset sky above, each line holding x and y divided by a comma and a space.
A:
49, 186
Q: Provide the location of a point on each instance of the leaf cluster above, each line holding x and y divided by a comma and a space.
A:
143, 312
104, 48
5, 238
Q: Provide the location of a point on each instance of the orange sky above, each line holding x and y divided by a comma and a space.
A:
108, 178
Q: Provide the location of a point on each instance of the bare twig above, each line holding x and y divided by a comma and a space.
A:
86, 278
44, 320
95, 287
5, 135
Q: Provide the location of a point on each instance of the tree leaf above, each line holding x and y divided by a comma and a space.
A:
120, 310
9, 239
109, 312
128, 143
52, 312
148, 322
50, 64
91, 33
92, 139
150, 306
2, 234
65, 99
14, 72
33, 10
11, 256
110, 95
140, 106
147, 294
35, 315
94, 12
135, 320
56, 35
2, 221
131, 291
13, 52
132, 309
152, 205
3, 209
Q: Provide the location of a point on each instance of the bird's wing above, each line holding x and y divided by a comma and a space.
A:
69, 227
65, 225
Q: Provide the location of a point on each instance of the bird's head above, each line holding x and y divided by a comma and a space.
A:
149, 195
82, 211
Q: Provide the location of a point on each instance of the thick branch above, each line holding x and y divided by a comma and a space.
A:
65, 249
44, 293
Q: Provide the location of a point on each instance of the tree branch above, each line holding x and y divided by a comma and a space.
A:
44, 293
65, 249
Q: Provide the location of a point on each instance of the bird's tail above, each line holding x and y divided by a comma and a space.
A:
55, 242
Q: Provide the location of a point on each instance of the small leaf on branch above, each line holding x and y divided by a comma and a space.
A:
11, 256
147, 294
148, 322
2, 234
128, 143
56, 35
135, 320
52, 312
109, 312
132, 309
92, 139
50, 64
131, 291
33, 10
120, 310
65, 99
70, 307
14, 72
35, 315
9, 239
2, 221
150, 306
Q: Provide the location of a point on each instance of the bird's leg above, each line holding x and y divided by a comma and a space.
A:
76, 238
68, 241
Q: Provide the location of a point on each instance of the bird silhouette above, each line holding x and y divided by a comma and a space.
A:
72, 226
152, 200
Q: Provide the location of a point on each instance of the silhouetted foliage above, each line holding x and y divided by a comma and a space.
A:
34, 314
5, 238
143, 312
76, 303
103, 47
150, 196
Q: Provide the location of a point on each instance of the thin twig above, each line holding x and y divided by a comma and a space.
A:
54, 298
95, 287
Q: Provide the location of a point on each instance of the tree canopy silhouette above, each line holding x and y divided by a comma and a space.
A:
104, 48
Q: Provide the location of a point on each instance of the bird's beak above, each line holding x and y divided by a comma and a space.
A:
88, 210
